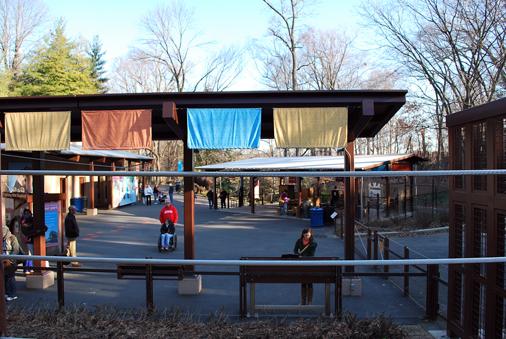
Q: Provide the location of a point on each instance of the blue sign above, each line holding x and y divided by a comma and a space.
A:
51, 216
180, 165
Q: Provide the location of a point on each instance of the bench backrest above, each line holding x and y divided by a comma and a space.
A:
290, 274
137, 270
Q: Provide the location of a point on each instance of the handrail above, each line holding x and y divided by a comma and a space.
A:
214, 262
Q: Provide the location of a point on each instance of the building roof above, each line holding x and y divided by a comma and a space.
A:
323, 163
76, 149
369, 110
482, 112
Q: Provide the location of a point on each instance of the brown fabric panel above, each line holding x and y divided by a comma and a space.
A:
116, 129
37, 131
311, 127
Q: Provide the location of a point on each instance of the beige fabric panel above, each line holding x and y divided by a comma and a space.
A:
116, 129
311, 127
37, 131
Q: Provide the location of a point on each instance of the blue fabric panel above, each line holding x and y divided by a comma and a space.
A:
222, 128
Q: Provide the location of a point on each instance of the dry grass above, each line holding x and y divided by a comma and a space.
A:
111, 323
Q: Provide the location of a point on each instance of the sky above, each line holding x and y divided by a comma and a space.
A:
223, 22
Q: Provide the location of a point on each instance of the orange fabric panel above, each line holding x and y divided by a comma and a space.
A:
116, 129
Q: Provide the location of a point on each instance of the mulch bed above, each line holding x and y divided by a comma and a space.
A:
112, 323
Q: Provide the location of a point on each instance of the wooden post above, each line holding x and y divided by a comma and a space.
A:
3, 314
299, 203
39, 242
60, 285
110, 187
405, 202
215, 194
92, 187
189, 205
241, 191
349, 206
432, 295
387, 193
252, 194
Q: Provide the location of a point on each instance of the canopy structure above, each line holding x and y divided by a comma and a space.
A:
319, 163
368, 111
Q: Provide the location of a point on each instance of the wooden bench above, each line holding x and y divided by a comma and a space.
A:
253, 275
150, 273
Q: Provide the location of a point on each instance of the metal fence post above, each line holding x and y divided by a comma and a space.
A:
432, 296
149, 288
386, 254
369, 244
406, 272
60, 284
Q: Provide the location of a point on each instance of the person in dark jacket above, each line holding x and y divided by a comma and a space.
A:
10, 246
305, 246
72, 233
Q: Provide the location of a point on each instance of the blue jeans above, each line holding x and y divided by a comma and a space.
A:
165, 239
171, 197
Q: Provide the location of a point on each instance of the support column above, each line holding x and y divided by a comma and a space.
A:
215, 194
241, 192
189, 206
349, 206
3, 314
252, 194
110, 187
43, 279
92, 210
299, 198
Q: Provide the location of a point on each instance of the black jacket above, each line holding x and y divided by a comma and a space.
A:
308, 252
71, 227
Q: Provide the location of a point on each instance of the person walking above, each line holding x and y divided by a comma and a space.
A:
210, 198
171, 193
223, 198
305, 246
72, 233
10, 247
148, 192
156, 193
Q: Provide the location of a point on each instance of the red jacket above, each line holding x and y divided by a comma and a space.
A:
168, 212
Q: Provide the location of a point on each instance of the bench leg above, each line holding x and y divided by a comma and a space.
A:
327, 299
149, 289
252, 302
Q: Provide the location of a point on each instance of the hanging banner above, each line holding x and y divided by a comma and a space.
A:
37, 131
311, 127
224, 128
116, 129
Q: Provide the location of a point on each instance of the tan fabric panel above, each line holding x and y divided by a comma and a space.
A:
116, 129
37, 131
311, 127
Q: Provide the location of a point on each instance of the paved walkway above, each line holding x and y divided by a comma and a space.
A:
132, 232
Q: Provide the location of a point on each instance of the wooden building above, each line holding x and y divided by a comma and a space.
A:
477, 207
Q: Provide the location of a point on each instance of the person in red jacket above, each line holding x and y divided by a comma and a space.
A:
169, 212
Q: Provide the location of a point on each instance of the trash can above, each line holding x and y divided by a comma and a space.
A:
78, 203
316, 215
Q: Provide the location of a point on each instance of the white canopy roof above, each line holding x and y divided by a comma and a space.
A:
362, 162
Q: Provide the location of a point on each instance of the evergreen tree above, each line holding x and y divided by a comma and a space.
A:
57, 68
96, 56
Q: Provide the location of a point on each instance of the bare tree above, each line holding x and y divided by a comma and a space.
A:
19, 20
172, 43
330, 61
131, 74
283, 64
455, 47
